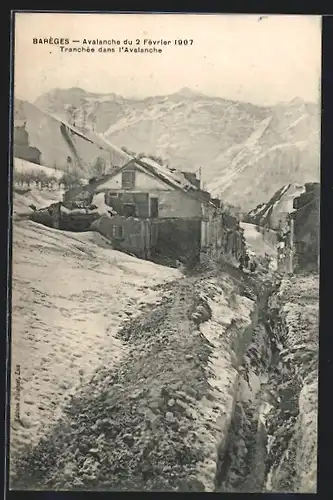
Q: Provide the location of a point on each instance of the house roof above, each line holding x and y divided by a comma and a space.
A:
175, 178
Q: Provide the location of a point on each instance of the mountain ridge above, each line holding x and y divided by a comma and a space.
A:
245, 151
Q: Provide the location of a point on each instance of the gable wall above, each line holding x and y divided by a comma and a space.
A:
143, 182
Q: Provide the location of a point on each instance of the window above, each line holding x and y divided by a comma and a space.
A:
128, 179
153, 207
117, 232
110, 197
129, 210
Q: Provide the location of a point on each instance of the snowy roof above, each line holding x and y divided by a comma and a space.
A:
174, 177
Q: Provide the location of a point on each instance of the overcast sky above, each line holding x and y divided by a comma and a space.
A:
232, 56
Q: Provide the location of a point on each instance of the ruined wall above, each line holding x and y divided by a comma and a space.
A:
221, 235
22, 148
54, 216
138, 235
179, 239
306, 227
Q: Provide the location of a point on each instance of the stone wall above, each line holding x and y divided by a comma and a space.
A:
306, 227
137, 236
221, 235
179, 239
22, 148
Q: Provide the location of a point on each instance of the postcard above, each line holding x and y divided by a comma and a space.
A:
165, 256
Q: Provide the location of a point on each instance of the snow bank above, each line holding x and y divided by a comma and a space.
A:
154, 422
225, 331
71, 293
37, 197
256, 241
296, 311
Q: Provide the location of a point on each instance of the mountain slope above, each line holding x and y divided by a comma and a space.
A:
58, 143
246, 152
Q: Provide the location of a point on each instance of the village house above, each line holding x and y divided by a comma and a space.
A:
157, 211
306, 218
154, 210
300, 236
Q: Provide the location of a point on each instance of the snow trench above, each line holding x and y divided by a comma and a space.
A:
270, 441
217, 393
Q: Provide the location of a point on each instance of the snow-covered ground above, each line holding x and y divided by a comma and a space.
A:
171, 397
27, 166
71, 292
39, 197
257, 242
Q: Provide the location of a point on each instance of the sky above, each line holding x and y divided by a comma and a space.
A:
238, 57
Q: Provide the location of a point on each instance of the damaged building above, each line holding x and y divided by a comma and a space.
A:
155, 211
306, 218
300, 236
145, 208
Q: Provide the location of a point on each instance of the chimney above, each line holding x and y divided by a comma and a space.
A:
192, 178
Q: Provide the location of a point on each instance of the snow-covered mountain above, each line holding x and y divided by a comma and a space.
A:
246, 152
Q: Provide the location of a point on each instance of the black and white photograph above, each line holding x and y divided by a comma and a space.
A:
165, 252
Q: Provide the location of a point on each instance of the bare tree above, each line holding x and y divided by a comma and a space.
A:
72, 113
98, 169
93, 123
70, 180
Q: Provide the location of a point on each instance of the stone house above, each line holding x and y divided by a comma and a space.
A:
155, 211
306, 218
221, 234
299, 246
159, 211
